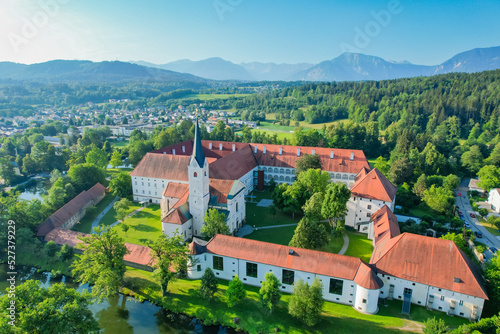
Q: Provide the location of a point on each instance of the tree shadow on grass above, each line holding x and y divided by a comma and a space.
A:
145, 228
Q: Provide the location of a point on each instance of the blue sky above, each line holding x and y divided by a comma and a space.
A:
160, 31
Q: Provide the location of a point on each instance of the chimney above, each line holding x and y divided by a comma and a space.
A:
234, 147
210, 146
220, 147
313, 152
183, 149
173, 151
352, 156
281, 150
255, 149
264, 151
298, 152
331, 155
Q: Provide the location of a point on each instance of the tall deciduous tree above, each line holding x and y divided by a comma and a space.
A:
310, 235
312, 208
85, 176
102, 262
306, 302
116, 159
335, 203
121, 208
489, 177
269, 292
55, 309
215, 223
308, 161
451, 182
439, 199
122, 185
209, 284
472, 160
169, 255
235, 292
97, 157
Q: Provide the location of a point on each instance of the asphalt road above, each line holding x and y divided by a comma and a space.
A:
464, 206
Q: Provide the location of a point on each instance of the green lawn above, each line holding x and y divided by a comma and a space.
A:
144, 226
110, 217
359, 246
259, 216
490, 227
184, 298
112, 172
265, 194
333, 246
271, 117
119, 143
278, 235
281, 135
92, 213
209, 97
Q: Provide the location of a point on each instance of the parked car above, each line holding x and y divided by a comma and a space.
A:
472, 215
460, 213
478, 234
462, 217
493, 249
459, 194
467, 225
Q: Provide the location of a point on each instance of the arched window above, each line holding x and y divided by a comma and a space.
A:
287, 178
195, 174
276, 170
282, 178
351, 177
344, 177
282, 171
205, 173
338, 176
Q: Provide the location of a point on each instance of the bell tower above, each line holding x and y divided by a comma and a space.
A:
199, 192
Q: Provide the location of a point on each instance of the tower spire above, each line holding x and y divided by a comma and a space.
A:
197, 148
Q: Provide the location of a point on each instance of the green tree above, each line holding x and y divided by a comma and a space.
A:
57, 196
483, 212
382, 165
121, 207
29, 165
269, 292
7, 171
435, 326
310, 235
489, 177
51, 248
97, 157
472, 160
67, 252
312, 208
215, 223
272, 210
85, 176
209, 284
308, 161
401, 171
439, 199
169, 255
124, 228
420, 186
122, 185
55, 175
102, 262
458, 239
116, 159
306, 302
335, 203
235, 292
56, 309
451, 182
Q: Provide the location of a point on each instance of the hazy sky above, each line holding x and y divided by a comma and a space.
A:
160, 31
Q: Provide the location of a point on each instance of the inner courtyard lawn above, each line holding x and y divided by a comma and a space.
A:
359, 246
144, 226
110, 216
279, 235
184, 298
92, 213
258, 216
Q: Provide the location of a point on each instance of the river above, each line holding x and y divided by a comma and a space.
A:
122, 314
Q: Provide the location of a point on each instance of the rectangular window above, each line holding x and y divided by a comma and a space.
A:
364, 301
368, 215
198, 267
336, 286
461, 303
288, 277
251, 269
369, 207
442, 297
218, 263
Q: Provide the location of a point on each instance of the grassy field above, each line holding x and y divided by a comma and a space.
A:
144, 226
209, 97
259, 216
110, 217
278, 235
112, 172
490, 227
184, 298
119, 143
90, 215
272, 117
333, 246
359, 246
281, 135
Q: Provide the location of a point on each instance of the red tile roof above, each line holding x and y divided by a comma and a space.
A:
233, 166
221, 189
436, 263
70, 209
385, 224
374, 185
175, 190
306, 260
163, 166
175, 216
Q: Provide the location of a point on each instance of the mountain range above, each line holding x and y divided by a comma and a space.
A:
346, 67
